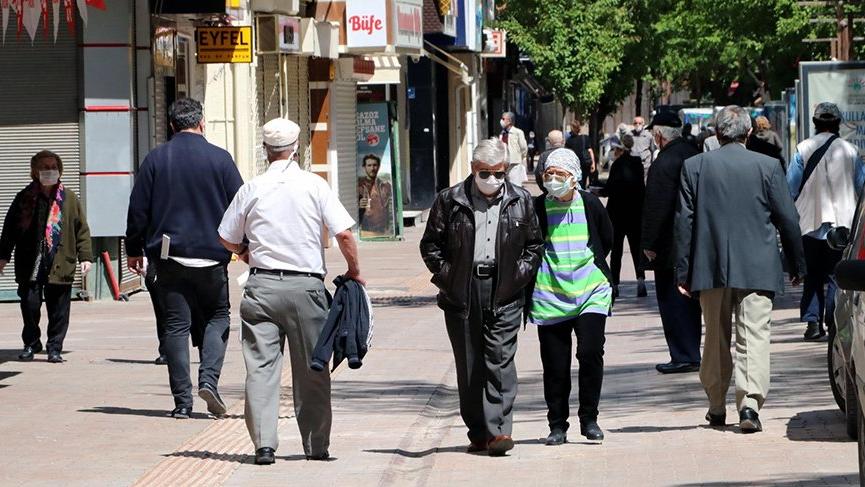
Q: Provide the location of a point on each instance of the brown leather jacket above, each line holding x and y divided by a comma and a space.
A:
447, 247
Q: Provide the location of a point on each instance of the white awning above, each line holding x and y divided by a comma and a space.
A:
387, 70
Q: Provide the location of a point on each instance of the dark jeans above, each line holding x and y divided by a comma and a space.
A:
681, 317
484, 346
158, 311
556, 353
631, 230
58, 299
185, 293
818, 302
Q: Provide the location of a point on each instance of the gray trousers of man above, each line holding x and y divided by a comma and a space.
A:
276, 309
751, 310
484, 346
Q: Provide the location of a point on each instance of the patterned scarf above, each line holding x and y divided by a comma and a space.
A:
54, 222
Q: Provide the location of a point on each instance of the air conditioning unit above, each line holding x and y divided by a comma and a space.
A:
287, 7
277, 34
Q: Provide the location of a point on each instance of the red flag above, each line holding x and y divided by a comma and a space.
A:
100, 4
19, 13
69, 9
45, 17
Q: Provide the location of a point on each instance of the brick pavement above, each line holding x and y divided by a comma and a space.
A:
99, 418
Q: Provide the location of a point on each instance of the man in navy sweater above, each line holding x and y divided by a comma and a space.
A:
182, 189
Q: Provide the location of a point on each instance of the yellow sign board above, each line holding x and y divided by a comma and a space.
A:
224, 44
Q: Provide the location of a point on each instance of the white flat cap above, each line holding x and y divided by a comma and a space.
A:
280, 132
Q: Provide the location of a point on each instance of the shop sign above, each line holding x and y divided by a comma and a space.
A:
495, 43
164, 38
408, 27
366, 23
223, 44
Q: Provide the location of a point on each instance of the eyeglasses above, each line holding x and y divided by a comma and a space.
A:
487, 174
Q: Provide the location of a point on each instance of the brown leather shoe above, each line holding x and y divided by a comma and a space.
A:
476, 446
498, 445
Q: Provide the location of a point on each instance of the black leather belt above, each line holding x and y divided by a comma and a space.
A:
282, 273
484, 271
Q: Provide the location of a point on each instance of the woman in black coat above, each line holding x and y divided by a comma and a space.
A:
626, 189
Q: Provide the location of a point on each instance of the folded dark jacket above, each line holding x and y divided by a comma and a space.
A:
348, 330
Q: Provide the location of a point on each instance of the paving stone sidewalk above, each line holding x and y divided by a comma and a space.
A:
99, 419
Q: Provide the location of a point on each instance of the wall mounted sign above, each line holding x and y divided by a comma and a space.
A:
366, 23
223, 44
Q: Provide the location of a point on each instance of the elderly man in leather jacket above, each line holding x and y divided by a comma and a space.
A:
483, 245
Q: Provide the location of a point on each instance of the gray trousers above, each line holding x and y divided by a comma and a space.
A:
274, 309
484, 346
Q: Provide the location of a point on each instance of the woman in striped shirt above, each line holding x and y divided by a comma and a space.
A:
572, 294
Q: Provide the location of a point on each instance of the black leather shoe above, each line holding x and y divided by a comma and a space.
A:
556, 437
749, 421
592, 431
319, 457
55, 357
181, 412
210, 395
641, 288
161, 360
265, 456
677, 367
716, 420
29, 351
814, 331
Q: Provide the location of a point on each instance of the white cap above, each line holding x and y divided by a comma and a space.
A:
280, 132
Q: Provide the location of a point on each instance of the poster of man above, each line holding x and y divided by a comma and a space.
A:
374, 184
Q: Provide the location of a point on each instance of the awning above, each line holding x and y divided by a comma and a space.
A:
450, 62
387, 70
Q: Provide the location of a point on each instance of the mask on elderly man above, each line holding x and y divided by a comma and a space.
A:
490, 185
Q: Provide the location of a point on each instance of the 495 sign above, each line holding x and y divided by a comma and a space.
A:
224, 44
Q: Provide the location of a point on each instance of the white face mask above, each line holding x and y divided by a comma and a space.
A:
503, 124
558, 187
489, 186
49, 178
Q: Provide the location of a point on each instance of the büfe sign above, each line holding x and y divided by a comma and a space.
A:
224, 44
366, 23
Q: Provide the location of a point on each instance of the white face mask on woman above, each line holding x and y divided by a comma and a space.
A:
49, 178
559, 187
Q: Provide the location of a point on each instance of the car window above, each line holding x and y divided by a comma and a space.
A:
858, 241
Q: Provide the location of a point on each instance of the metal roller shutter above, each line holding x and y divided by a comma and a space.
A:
295, 73
41, 113
267, 108
344, 127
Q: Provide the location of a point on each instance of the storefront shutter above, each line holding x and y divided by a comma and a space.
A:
344, 121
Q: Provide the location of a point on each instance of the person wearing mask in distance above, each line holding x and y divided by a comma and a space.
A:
483, 245
572, 294
47, 229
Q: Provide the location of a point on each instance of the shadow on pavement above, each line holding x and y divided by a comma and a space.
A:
826, 425
5, 375
803, 479
422, 453
153, 413
231, 457
130, 361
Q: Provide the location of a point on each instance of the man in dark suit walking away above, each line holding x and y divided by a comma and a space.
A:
731, 202
680, 315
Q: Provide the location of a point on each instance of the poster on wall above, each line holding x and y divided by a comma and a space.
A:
842, 83
375, 192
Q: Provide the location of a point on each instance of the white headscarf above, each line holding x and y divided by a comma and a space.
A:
565, 159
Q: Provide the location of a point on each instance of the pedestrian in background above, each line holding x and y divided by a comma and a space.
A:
732, 204
46, 228
680, 315
180, 194
580, 143
517, 149
282, 214
555, 140
571, 294
763, 131
825, 180
483, 237
626, 191
644, 143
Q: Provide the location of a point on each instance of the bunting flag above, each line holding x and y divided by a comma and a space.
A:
4, 10
55, 16
44, 16
32, 13
19, 15
69, 10
100, 4
82, 10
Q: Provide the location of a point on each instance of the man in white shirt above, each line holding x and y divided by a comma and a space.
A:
518, 148
283, 214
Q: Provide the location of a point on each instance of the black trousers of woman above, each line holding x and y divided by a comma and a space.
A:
630, 229
556, 350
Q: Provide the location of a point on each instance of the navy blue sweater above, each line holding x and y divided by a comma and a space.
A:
182, 190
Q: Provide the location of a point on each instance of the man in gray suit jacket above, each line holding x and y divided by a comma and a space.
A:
731, 202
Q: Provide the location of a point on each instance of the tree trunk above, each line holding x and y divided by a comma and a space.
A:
638, 99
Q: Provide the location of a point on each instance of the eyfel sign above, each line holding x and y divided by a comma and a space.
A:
366, 23
224, 44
